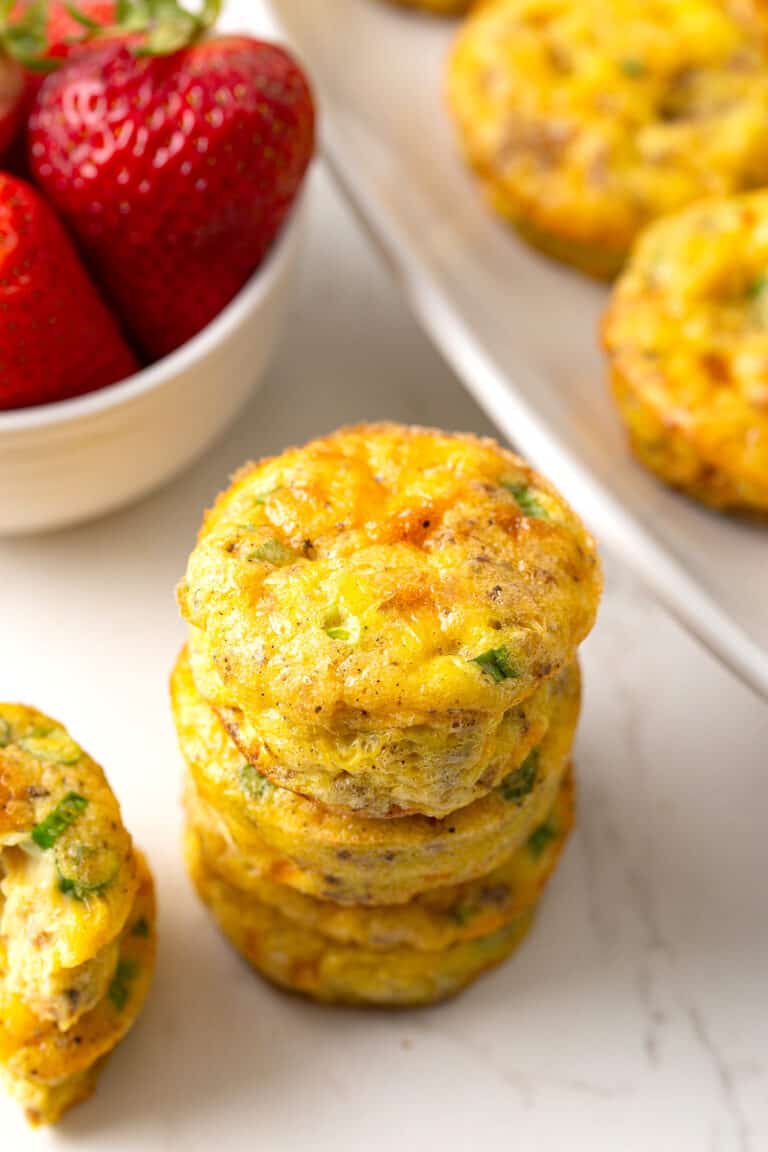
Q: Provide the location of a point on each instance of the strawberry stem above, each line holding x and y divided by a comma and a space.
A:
23, 38
161, 26
168, 25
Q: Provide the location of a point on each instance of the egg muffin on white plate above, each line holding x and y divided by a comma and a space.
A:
377, 606
686, 334
585, 120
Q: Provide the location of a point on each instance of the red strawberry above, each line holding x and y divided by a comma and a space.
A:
57, 338
37, 33
174, 172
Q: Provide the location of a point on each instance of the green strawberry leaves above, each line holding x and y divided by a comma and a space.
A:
162, 27
167, 26
23, 37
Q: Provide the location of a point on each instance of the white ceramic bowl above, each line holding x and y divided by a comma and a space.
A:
67, 462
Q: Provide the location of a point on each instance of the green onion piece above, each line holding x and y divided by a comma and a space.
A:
40, 731
461, 914
489, 945
757, 294
337, 625
84, 871
80, 891
119, 989
632, 67
5, 733
252, 782
519, 783
141, 928
757, 287
273, 552
46, 833
60, 750
526, 499
540, 839
497, 663
338, 633
264, 496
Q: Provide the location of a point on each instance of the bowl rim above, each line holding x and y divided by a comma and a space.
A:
154, 376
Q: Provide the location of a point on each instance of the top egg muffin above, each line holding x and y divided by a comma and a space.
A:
587, 119
390, 577
687, 337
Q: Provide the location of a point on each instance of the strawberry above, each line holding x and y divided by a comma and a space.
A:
42, 32
57, 338
175, 172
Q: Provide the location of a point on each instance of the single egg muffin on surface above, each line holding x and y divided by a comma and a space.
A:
430, 922
588, 119
385, 599
686, 334
70, 884
276, 834
417, 954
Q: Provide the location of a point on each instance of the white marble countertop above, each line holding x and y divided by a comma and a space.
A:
636, 1016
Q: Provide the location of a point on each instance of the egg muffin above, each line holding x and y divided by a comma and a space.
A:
303, 960
58, 1068
687, 339
69, 879
588, 119
404, 766
432, 921
384, 598
327, 853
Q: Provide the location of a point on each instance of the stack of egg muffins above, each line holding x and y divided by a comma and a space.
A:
376, 706
77, 917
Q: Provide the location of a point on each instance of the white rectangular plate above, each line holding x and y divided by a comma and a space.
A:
520, 330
